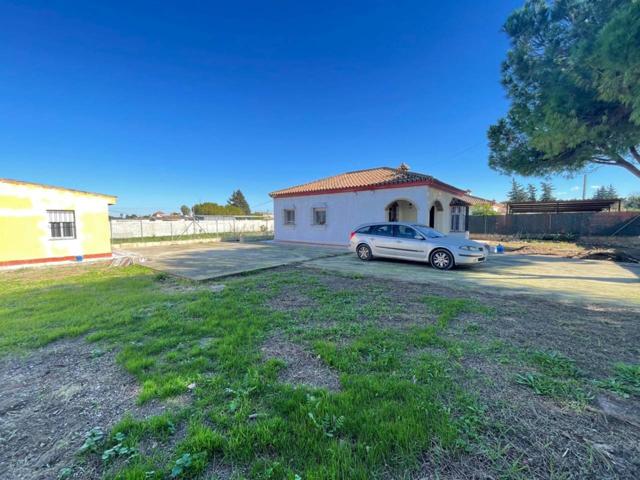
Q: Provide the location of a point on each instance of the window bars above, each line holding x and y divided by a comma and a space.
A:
62, 224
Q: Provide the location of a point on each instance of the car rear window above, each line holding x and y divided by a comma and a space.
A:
364, 229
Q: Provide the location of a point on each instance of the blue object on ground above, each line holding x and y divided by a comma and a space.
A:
79, 258
500, 248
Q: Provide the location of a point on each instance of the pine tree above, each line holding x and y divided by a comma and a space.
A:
237, 200
517, 192
606, 193
532, 193
601, 193
572, 65
547, 192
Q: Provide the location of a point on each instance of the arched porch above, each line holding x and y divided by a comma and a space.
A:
435, 215
401, 211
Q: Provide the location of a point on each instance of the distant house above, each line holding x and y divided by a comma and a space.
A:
159, 215
326, 210
42, 224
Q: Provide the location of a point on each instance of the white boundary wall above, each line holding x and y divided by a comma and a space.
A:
135, 228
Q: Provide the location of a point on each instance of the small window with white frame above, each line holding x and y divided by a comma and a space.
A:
320, 216
62, 224
289, 216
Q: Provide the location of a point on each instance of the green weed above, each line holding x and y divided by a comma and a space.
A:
625, 382
447, 309
541, 384
555, 364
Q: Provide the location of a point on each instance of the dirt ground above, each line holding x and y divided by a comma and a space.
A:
596, 442
51, 398
301, 366
623, 249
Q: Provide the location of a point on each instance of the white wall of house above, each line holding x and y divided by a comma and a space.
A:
345, 211
442, 219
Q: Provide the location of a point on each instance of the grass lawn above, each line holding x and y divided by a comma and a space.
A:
296, 373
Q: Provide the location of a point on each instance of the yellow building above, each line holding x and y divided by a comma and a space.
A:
40, 224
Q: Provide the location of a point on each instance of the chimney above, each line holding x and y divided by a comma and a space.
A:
403, 168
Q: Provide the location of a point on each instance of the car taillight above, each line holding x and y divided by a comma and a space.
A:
351, 235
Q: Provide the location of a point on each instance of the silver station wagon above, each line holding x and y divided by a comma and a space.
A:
411, 241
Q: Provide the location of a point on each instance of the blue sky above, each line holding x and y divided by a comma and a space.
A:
170, 103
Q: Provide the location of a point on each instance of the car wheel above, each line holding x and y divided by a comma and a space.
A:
441, 259
364, 252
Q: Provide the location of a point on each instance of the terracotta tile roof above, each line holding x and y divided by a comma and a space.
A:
473, 200
370, 179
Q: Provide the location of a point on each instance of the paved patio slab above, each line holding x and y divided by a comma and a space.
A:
564, 278
204, 261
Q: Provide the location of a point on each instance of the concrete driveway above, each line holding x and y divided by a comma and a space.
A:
203, 261
569, 279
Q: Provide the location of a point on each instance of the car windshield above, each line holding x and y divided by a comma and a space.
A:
428, 231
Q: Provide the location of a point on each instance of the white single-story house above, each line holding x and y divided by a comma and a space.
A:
326, 211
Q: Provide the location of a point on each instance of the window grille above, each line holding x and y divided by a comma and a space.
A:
62, 223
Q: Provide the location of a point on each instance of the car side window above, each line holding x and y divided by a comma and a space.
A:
382, 230
402, 231
364, 230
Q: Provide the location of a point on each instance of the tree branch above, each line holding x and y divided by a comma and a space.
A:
635, 153
621, 161
604, 161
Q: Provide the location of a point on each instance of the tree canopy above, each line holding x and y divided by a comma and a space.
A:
237, 200
211, 208
517, 192
483, 209
532, 193
546, 194
603, 193
572, 75
632, 202
185, 210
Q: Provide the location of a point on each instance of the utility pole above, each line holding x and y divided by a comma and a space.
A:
584, 186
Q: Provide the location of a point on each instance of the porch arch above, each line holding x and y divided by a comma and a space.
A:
401, 210
434, 219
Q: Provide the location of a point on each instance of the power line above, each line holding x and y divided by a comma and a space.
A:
253, 207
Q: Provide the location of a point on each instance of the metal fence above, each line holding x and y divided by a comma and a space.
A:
578, 224
174, 229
